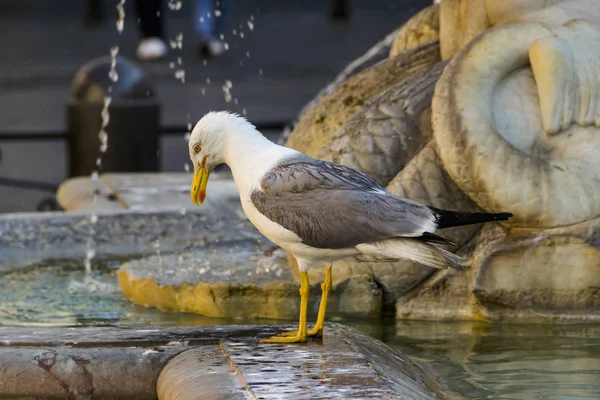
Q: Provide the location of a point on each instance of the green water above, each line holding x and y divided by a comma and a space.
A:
478, 361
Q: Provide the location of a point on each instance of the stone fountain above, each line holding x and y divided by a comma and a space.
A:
491, 106
478, 105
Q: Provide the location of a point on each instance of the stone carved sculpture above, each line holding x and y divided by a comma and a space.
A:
510, 120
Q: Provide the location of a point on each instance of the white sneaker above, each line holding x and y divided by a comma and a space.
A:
216, 47
213, 47
151, 49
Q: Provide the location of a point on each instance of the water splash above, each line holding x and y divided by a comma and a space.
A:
121, 16
103, 139
180, 74
90, 253
103, 135
175, 5
156, 245
227, 90
178, 42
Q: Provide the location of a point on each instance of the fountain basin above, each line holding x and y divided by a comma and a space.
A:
228, 362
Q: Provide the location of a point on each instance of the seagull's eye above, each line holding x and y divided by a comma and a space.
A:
197, 148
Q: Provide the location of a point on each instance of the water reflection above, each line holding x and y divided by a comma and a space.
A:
486, 361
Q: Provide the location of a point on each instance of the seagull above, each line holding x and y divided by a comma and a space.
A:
319, 211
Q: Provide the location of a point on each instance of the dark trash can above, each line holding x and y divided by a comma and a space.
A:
134, 119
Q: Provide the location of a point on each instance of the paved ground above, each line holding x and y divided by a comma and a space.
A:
291, 53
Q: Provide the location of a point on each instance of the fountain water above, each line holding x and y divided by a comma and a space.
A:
113, 75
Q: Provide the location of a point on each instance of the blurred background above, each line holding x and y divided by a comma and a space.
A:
275, 56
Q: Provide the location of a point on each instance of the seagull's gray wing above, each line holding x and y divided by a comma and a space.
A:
332, 206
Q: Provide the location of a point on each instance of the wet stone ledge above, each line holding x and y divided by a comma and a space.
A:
203, 362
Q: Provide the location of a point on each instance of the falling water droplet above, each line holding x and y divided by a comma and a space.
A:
103, 137
189, 126
90, 253
247, 54
203, 91
217, 13
234, 32
104, 113
251, 25
227, 91
226, 46
180, 74
112, 73
187, 136
208, 81
171, 65
178, 42
244, 112
241, 35
121, 16
94, 175
222, 37
175, 5
260, 71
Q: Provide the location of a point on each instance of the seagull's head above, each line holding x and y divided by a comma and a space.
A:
207, 147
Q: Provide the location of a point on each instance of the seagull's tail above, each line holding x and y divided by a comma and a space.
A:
419, 251
449, 219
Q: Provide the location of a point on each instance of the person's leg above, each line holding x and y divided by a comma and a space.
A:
150, 14
223, 6
94, 13
203, 24
208, 29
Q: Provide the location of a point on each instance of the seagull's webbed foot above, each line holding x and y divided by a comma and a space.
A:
300, 336
294, 337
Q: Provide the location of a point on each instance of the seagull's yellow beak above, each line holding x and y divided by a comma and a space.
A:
198, 191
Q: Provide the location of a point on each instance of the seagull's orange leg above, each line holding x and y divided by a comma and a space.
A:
299, 336
317, 330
